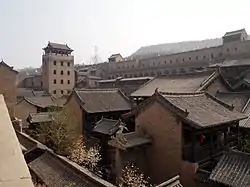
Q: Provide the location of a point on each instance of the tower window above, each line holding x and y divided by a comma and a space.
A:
61, 91
61, 63
61, 81
54, 91
68, 81
54, 81
68, 64
54, 62
68, 72
54, 72
61, 72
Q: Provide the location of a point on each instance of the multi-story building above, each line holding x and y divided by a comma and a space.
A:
58, 76
177, 58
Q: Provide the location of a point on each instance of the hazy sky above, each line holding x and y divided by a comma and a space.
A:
114, 26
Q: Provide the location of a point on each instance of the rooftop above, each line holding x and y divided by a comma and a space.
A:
55, 170
58, 46
179, 83
40, 117
237, 99
233, 169
102, 100
45, 101
233, 63
174, 48
129, 140
125, 79
107, 126
202, 109
173, 182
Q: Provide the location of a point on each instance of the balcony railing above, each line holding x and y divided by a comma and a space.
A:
198, 153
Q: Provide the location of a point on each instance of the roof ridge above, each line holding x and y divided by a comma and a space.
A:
230, 107
182, 93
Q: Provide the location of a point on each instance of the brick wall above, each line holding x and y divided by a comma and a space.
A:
8, 87
164, 155
22, 111
74, 113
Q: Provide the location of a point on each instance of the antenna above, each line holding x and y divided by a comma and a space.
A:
95, 59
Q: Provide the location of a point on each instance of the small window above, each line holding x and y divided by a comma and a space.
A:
204, 57
54, 62
54, 91
61, 81
190, 58
165, 61
61, 63
68, 81
54, 72
68, 64
236, 49
68, 91
61, 72
227, 50
170, 61
183, 60
212, 56
68, 72
132, 66
61, 91
197, 58
220, 54
54, 81
176, 60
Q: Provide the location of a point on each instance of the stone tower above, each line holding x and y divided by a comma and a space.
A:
58, 76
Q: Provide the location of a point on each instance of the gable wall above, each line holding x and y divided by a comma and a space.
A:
164, 155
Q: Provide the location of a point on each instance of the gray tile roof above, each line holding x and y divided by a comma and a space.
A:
202, 109
240, 31
102, 100
233, 169
234, 63
174, 48
108, 126
173, 182
246, 122
59, 46
181, 83
237, 99
129, 140
44, 101
40, 117
56, 171
24, 92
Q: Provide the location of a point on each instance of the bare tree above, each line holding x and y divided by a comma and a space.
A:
87, 157
132, 177
59, 134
